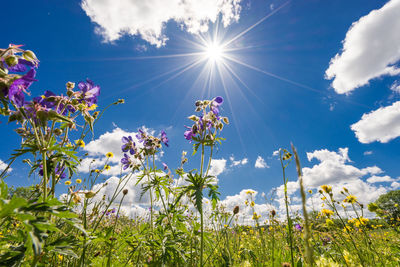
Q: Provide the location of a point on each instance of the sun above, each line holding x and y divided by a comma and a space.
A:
214, 52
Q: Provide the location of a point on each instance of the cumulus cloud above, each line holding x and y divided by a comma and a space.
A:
379, 179
149, 18
260, 163
335, 169
371, 49
239, 162
395, 87
218, 166
3, 166
380, 125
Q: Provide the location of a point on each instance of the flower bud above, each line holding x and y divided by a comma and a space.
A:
193, 118
29, 55
236, 210
12, 60
121, 101
58, 131
70, 85
90, 194
273, 213
225, 120
125, 191
3, 72
198, 103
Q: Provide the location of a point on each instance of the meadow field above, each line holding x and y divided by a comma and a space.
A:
185, 223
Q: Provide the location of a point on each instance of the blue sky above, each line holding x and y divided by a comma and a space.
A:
296, 43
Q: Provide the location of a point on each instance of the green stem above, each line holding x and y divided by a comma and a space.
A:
44, 162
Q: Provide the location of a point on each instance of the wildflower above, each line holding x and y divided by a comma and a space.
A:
89, 92
126, 162
298, 227
329, 222
125, 191
80, 143
60, 257
350, 199
128, 144
327, 188
396, 205
252, 204
310, 191
273, 213
246, 202
90, 194
164, 165
19, 87
109, 155
78, 181
249, 192
164, 138
327, 212
97, 171
225, 226
107, 167
67, 182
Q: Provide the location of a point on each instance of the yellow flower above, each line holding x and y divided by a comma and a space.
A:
78, 181
60, 257
80, 143
396, 205
225, 226
310, 191
327, 188
329, 222
97, 171
249, 192
107, 167
246, 203
327, 212
92, 107
67, 182
350, 199
252, 204
109, 155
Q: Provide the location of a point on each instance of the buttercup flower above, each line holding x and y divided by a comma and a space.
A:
78, 181
109, 155
67, 182
80, 143
107, 167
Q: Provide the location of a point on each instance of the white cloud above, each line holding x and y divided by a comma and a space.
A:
380, 125
218, 166
275, 153
366, 153
234, 162
335, 169
149, 18
260, 163
395, 87
395, 185
3, 166
379, 179
370, 50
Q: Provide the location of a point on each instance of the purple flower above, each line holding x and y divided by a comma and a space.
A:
126, 162
189, 133
21, 66
58, 171
165, 165
218, 100
141, 136
113, 210
164, 138
298, 227
19, 87
128, 144
89, 92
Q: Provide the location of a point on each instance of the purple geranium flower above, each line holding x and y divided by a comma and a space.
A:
126, 162
19, 87
89, 92
298, 227
128, 145
188, 134
141, 136
164, 138
58, 171
165, 166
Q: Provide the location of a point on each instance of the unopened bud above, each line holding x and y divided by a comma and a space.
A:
236, 210
273, 213
70, 85
225, 120
29, 55
121, 101
90, 194
58, 131
12, 61
3, 72
125, 191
